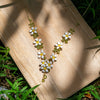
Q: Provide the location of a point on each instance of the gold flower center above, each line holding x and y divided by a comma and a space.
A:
37, 42
53, 57
45, 68
41, 54
33, 30
49, 64
59, 45
66, 35
43, 62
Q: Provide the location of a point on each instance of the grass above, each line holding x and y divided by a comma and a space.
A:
90, 10
12, 79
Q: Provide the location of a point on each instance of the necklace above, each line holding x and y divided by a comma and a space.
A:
47, 64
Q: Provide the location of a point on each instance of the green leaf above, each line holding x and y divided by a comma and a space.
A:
2, 74
88, 88
16, 84
2, 98
97, 37
98, 32
7, 91
10, 83
11, 68
95, 94
93, 12
24, 96
10, 97
35, 97
74, 97
19, 79
2, 48
23, 89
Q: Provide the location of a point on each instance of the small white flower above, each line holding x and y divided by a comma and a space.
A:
37, 42
33, 30
43, 63
41, 54
49, 64
59, 45
67, 35
45, 70
53, 57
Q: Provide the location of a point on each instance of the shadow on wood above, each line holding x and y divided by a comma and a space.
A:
75, 66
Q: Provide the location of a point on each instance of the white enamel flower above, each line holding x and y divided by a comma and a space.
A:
53, 57
33, 30
43, 66
44, 69
43, 63
49, 64
37, 42
59, 45
67, 35
41, 54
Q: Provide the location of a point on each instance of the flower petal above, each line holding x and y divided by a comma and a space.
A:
40, 40
42, 57
39, 43
32, 28
30, 31
66, 38
57, 47
36, 39
47, 70
35, 28
35, 31
55, 58
41, 68
34, 42
69, 33
39, 56
43, 71
66, 33
39, 53
58, 43
61, 46
69, 36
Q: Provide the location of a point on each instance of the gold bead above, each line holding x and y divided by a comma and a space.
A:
43, 80
44, 76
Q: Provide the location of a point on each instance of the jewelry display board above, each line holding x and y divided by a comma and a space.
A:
76, 65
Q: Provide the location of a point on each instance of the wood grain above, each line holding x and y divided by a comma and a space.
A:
76, 66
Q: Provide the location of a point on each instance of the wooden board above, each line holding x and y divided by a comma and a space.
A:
76, 66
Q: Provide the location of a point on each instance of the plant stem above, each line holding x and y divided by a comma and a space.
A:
87, 8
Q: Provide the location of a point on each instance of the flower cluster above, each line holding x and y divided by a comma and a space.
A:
45, 66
